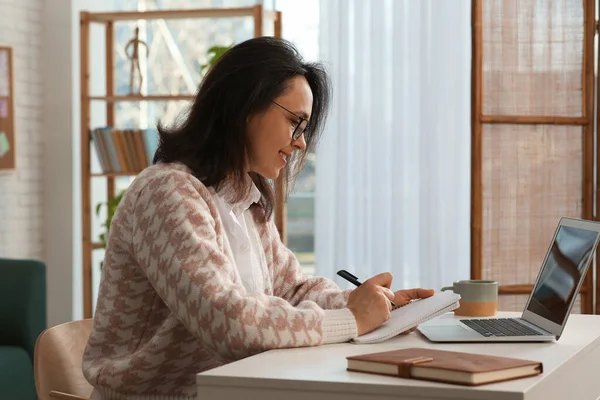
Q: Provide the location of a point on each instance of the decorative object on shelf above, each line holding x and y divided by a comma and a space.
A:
135, 61
7, 129
214, 53
111, 207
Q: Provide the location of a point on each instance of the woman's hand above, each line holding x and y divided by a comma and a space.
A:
403, 297
370, 302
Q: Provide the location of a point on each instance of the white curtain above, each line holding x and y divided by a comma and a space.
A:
393, 167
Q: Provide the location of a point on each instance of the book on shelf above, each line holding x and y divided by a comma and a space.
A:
124, 150
444, 366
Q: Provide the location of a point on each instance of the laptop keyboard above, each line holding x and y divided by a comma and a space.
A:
499, 327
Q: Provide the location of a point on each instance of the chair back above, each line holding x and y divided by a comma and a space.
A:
22, 302
58, 357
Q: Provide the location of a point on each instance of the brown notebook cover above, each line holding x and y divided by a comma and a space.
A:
444, 366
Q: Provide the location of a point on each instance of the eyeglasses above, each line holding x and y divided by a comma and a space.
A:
301, 123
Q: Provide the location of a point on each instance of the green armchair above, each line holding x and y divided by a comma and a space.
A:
22, 319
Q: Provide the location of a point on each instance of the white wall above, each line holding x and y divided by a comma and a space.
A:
60, 200
62, 194
21, 190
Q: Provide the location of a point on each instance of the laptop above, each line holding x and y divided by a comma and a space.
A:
554, 293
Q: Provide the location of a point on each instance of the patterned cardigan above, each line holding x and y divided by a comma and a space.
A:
171, 303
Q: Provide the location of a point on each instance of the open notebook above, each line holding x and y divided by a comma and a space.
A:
411, 315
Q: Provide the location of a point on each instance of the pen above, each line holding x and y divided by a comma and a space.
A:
354, 280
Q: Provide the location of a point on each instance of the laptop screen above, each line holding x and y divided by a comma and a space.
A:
557, 284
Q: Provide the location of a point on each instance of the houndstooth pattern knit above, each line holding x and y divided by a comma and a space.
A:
171, 302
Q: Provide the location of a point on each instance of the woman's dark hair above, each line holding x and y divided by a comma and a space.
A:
244, 81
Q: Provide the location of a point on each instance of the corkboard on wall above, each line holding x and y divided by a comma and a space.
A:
7, 126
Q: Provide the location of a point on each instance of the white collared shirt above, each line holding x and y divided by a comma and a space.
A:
244, 242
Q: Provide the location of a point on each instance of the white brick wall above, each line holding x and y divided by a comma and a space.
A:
21, 191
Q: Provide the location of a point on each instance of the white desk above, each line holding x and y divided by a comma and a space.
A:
571, 371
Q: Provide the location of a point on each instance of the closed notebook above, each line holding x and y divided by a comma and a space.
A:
409, 316
444, 366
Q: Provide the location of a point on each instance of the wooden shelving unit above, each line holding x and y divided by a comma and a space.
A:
259, 15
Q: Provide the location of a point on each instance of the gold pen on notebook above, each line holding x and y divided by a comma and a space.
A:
354, 280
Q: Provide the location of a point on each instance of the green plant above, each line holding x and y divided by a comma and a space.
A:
111, 207
214, 53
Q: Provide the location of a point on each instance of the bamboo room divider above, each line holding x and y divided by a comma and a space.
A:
532, 136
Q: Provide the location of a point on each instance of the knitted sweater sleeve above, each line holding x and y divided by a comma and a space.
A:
293, 285
176, 242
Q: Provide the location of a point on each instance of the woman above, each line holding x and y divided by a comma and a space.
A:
195, 275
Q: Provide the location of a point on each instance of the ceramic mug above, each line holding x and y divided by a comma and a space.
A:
478, 298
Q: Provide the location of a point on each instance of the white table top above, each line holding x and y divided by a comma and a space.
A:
323, 368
